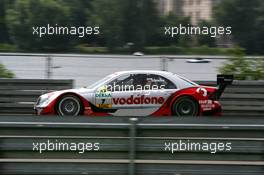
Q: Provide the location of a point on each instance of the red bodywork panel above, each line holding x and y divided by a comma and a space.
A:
212, 107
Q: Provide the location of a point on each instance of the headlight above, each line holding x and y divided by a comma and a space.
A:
43, 100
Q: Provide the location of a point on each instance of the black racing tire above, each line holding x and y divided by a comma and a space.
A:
69, 105
185, 106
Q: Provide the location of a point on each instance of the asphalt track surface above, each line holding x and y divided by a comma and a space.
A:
86, 71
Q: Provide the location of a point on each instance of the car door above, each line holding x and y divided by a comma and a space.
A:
120, 96
157, 90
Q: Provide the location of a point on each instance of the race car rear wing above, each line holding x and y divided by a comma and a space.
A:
222, 82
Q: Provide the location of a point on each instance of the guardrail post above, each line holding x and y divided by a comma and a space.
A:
132, 145
48, 67
164, 63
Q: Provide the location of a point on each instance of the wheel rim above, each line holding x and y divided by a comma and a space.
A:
185, 107
69, 106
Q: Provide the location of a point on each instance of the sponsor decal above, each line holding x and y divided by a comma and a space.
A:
202, 91
138, 100
102, 89
207, 105
104, 105
103, 95
103, 98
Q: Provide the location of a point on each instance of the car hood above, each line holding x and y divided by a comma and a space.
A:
79, 91
47, 98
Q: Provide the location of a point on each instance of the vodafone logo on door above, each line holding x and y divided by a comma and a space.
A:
138, 100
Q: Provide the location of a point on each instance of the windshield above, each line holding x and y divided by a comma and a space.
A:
94, 85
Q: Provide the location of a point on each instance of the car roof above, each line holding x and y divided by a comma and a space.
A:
146, 72
177, 79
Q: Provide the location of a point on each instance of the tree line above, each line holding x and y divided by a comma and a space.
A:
123, 23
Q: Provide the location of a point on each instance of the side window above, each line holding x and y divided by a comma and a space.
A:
140, 80
159, 82
122, 83
133, 82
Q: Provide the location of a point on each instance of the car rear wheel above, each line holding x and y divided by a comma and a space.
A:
185, 106
69, 105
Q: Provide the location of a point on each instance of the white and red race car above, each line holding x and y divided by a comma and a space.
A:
136, 93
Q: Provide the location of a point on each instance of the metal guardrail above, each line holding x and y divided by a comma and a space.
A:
17, 96
242, 98
132, 145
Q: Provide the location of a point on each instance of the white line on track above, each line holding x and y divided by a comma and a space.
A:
57, 123
194, 162
127, 124
214, 125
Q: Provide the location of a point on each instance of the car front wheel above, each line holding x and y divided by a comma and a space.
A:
185, 106
69, 105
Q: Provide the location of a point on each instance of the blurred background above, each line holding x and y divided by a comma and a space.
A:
135, 28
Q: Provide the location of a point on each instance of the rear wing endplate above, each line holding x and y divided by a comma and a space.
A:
222, 82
